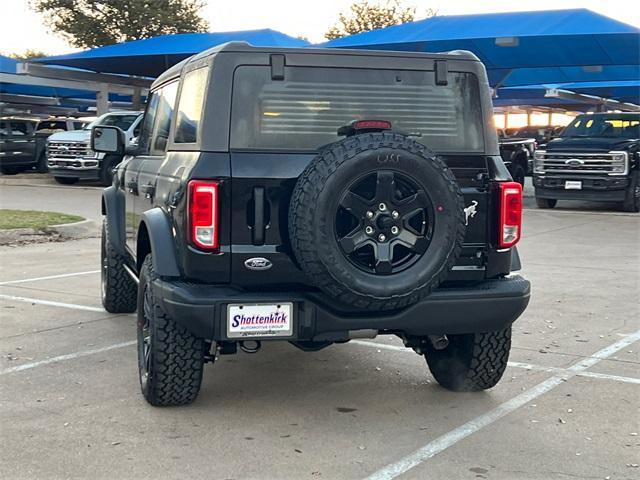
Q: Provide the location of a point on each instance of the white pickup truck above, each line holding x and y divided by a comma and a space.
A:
69, 154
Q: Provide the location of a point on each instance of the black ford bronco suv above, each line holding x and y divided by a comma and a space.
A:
595, 158
313, 196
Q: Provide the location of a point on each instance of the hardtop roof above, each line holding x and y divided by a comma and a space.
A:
246, 48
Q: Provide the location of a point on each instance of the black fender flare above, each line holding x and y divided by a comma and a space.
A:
163, 252
113, 208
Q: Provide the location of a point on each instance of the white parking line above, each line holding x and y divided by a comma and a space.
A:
525, 366
70, 356
50, 303
603, 376
454, 436
50, 277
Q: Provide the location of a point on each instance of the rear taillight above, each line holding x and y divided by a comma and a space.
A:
203, 214
510, 214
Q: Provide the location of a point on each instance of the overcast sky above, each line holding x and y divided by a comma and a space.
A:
23, 29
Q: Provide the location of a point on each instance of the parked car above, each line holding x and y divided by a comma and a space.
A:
517, 154
22, 141
255, 208
70, 158
595, 158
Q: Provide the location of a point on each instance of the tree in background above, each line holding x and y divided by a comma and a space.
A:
28, 54
365, 17
94, 23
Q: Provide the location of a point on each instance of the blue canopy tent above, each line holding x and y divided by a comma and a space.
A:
523, 48
151, 56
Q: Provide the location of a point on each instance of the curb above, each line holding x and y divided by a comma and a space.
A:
44, 183
81, 229
53, 233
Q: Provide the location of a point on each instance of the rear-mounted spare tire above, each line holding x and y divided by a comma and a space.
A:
376, 221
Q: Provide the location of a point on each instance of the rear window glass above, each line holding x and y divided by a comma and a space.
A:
190, 106
305, 111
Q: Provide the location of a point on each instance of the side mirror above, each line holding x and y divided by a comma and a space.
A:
108, 139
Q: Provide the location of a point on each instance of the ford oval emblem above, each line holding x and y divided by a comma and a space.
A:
574, 162
258, 263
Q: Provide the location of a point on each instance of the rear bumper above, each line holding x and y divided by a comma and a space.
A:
601, 188
487, 306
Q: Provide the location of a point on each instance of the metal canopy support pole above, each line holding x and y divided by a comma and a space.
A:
549, 118
136, 100
102, 99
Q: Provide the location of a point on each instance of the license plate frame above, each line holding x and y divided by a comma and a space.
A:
573, 185
242, 320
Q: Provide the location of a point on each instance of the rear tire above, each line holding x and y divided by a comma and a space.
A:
170, 358
546, 202
66, 180
119, 290
471, 362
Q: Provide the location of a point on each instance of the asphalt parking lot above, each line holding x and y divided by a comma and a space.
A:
567, 406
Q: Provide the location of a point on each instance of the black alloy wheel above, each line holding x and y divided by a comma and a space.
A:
384, 222
144, 337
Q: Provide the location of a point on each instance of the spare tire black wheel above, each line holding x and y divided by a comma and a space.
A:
377, 221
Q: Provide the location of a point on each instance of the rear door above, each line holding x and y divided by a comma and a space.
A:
279, 122
148, 170
131, 166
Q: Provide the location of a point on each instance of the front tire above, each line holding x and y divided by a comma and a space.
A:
119, 291
170, 358
519, 174
632, 197
9, 170
546, 202
106, 170
41, 165
471, 362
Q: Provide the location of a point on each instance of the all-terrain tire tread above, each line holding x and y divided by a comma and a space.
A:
121, 291
177, 356
480, 365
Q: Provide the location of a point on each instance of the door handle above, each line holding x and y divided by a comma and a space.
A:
149, 189
132, 186
258, 216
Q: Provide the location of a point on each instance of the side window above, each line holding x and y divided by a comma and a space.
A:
19, 128
166, 103
190, 106
136, 130
146, 126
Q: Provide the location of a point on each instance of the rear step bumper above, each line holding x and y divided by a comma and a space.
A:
487, 306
